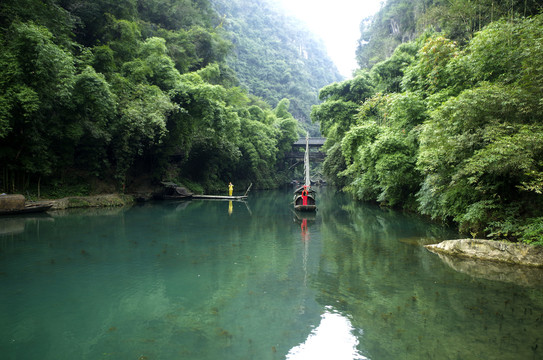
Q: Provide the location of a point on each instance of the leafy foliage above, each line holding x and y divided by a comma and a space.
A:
382, 151
117, 89
37, 79
454, 127
342, 102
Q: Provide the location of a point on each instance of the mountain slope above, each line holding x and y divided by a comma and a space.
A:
275, 57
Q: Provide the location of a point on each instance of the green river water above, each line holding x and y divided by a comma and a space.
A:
213, 280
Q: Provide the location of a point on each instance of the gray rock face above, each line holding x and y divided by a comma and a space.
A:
512, 253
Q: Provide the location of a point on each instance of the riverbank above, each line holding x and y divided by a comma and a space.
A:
105, 200
478, 249
500, 251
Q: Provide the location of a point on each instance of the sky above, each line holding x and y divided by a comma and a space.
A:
337, 22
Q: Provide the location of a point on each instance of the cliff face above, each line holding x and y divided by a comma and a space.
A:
275, 56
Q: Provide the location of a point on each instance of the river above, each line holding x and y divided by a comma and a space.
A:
212, 280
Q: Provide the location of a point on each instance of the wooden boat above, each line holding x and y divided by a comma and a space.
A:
28, 209
304, 196
310, 203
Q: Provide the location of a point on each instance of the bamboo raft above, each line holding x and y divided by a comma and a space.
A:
219, 197
224, 197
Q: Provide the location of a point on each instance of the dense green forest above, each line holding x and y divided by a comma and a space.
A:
401, 21
445, 115
108, 95
275, 57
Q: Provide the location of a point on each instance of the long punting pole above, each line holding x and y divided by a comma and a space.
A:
306, 161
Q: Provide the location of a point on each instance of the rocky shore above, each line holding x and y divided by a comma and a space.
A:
107, 200
511, 253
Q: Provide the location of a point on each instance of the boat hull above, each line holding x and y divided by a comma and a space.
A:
311, 205
28, 209
305, 208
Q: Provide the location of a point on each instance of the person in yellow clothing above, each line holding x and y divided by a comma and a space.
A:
230, 189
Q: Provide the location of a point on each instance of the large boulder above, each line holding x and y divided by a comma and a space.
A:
12, 202
512, 253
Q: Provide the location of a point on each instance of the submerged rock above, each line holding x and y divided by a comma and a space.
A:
512, 253
529, 276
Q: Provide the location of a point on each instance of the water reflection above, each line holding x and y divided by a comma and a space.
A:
410, 304
491, 270
11, 225
305, 219
332, 339
188, 280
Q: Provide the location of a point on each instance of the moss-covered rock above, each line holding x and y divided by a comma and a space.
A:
109, 200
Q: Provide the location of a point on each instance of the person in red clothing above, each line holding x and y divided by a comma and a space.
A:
304, 195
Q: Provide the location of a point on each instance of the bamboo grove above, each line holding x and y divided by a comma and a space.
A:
123, 92
448, 125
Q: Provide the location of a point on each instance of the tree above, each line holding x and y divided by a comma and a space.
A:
36, 84
477, 149
140, 125
388, 74
287, 126
381, 151
94, 105
429, 73
341, 101
153, 65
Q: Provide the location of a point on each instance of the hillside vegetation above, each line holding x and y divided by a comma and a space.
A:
450, 124
119, 91
276, 57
